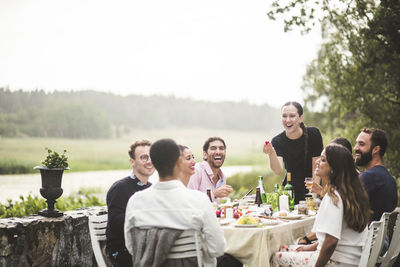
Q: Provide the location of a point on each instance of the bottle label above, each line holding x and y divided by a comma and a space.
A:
261, 185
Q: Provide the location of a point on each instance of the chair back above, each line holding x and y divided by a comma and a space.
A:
385, 219
393, 251
97, 230
373, 244
187, 245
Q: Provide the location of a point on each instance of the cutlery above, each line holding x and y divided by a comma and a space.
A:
251, 190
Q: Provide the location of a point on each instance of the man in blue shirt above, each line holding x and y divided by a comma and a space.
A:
380, 185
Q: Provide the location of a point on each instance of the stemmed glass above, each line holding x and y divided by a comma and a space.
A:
309, 183
310, 196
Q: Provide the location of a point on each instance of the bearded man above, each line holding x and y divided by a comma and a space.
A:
380, 185
208, 174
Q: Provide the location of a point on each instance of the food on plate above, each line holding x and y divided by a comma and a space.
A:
247, 219
283, 213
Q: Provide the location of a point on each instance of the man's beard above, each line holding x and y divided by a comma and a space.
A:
365, 158
214, 165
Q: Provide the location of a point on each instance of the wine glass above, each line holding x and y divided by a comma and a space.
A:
309, 183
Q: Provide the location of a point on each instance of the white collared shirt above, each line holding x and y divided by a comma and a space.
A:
171, 205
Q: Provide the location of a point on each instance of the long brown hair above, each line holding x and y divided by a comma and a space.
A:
344, 178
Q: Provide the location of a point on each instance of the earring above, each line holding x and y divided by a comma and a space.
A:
331, 172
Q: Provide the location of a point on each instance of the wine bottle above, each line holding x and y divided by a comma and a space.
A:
209, 194
262, 190
289, 188
258, 200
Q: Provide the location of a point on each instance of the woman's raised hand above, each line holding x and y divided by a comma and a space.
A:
268, 148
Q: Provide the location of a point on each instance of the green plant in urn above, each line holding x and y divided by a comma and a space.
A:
55, 160
51, 173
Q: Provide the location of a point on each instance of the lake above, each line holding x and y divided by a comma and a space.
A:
12, 186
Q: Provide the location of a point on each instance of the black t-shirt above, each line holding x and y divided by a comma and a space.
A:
292, 152
117, 199
382, 191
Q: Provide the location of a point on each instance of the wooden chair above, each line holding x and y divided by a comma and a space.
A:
373, 244
389, 258
187, 245
97, 230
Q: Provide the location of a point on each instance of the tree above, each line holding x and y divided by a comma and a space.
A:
357, 73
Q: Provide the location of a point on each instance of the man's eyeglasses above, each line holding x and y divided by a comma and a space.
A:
144, 158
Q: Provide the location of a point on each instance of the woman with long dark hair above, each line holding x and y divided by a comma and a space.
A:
297, 148
342, 219
188, 164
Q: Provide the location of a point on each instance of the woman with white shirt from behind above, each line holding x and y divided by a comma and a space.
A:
342, 219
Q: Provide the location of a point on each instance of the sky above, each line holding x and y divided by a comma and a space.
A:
215, 50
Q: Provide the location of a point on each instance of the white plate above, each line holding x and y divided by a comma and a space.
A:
310, 213
247, 225
226, 221
269, 222
291, 217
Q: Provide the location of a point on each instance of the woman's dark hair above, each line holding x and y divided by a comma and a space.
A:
182, 148
302, 126
345, 179
164, 154
344, 142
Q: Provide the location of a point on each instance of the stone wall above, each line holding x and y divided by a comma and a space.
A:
41, 241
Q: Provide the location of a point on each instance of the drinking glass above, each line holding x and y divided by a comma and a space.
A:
272, 199
309, 183
310, 203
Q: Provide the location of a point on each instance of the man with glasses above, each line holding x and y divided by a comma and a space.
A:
118, 196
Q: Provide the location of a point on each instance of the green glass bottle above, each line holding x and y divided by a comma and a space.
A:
289, 188
276, 188
262, 190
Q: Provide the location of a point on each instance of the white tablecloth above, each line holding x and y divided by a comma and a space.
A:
254, 246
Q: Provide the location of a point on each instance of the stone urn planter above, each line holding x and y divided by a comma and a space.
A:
51, 174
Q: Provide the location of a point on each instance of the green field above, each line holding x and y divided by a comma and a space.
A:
20, 155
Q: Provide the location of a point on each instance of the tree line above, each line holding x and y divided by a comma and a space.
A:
91, 114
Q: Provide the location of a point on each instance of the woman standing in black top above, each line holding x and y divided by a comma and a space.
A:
296, 149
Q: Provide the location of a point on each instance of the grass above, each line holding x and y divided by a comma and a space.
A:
20, 155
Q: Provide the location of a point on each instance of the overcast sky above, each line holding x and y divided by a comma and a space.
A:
210, 49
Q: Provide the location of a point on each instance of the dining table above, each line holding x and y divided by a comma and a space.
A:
254, 246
